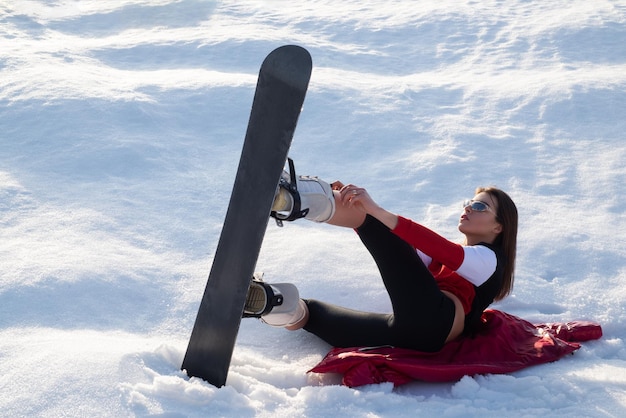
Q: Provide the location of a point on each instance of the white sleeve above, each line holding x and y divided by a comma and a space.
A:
478, 264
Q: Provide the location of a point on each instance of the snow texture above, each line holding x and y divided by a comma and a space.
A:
121, 124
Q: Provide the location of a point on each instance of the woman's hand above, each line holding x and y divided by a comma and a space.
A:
358, 198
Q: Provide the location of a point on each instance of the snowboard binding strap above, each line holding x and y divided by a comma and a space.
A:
261, 298
292, 187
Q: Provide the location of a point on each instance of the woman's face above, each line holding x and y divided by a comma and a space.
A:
480, 226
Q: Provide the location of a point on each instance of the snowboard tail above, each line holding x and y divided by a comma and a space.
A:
280, 91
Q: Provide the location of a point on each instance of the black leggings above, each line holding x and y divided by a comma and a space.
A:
422, 315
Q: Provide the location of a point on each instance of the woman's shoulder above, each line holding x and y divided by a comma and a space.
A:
496, 249
500, 258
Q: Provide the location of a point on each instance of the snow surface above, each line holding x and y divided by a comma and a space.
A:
121, 125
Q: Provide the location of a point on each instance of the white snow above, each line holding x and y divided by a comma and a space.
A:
121, 125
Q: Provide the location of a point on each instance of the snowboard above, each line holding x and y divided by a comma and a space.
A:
280, 91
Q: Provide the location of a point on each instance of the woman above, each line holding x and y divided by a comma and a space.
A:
438, 289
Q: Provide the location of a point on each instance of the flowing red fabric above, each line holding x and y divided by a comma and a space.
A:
504, 344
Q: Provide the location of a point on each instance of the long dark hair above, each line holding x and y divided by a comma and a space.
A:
507, 239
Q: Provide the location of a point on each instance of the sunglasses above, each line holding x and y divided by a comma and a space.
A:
477, 206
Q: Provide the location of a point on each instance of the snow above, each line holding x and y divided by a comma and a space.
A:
121, 125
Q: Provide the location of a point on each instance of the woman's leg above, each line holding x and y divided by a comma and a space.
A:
422, 314
343, 327
404, 274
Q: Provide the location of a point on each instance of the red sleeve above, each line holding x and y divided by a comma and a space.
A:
432, 244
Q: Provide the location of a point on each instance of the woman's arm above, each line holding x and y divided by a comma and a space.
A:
474, 263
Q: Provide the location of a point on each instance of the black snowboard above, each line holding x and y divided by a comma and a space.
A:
281, 87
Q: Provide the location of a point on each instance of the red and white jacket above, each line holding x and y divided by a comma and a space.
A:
459, 269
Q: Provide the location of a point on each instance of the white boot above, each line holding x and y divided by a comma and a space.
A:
292, 310
278, 305
309, 198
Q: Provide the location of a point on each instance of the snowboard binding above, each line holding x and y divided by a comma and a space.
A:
277, 305
261, 298
302, 197
289, 183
